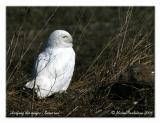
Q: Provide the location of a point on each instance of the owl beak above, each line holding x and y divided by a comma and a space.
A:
70, 40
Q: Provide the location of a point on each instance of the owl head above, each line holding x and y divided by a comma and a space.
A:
60, 38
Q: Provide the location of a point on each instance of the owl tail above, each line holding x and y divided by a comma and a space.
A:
30, 84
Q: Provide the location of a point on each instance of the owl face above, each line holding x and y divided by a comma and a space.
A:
60, 38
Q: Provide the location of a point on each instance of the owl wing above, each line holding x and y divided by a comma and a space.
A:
41, 62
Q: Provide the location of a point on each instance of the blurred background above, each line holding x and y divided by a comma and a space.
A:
114, 59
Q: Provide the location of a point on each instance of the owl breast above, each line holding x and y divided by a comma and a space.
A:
60, 68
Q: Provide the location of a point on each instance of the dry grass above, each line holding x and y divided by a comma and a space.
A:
114, 61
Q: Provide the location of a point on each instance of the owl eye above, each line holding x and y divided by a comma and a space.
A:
64, 36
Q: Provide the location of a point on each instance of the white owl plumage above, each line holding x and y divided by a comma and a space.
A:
54, 66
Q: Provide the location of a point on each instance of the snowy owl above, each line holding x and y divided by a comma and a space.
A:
54, 66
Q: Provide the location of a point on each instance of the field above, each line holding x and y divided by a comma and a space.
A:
114, 71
